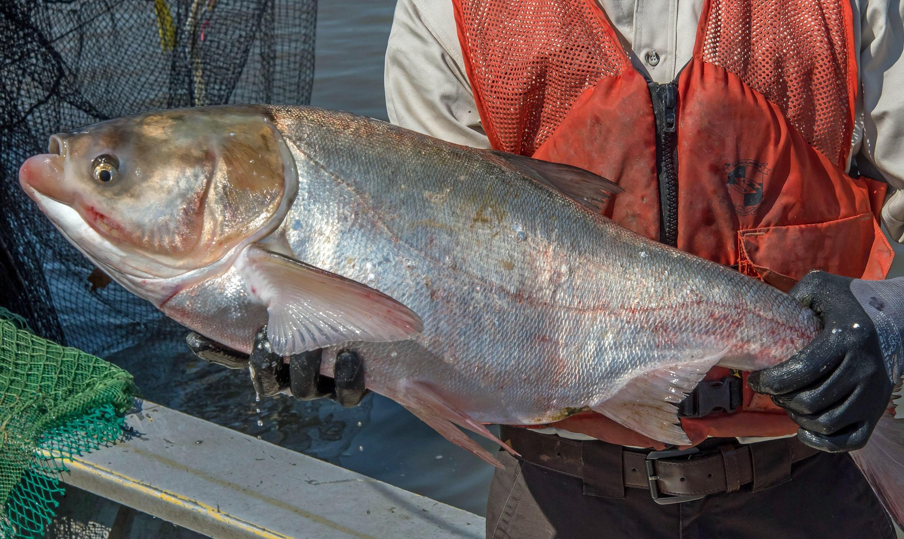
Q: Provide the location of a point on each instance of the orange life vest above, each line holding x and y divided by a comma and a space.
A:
743, 161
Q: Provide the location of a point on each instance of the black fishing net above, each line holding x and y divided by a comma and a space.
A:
70, 63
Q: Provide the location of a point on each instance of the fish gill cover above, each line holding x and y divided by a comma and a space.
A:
65, 64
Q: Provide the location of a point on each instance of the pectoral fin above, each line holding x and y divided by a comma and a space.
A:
310, 308
648, 403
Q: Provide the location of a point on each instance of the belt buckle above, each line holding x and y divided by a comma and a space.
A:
653, 479
726, 394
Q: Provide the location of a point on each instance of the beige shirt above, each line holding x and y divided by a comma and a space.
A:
427, 88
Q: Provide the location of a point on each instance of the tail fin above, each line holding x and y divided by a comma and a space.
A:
882, 462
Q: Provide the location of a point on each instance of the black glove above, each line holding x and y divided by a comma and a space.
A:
301, 375
837, 387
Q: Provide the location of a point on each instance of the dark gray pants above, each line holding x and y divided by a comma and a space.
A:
827, 498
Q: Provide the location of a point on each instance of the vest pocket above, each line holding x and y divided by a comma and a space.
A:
781, 255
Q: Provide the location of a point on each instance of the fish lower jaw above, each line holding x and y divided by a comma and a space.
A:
119, 265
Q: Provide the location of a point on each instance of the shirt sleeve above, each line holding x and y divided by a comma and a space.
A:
881, 78
427, 89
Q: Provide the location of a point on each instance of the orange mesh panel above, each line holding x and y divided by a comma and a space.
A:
529, 60
796, 55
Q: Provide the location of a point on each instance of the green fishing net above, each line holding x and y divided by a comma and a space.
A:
55, 403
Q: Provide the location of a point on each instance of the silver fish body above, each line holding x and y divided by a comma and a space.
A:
532, 306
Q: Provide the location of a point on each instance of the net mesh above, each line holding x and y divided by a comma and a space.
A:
530, 60
55, 402
795, 54
69, 63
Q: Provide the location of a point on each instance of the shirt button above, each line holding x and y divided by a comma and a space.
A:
653, 58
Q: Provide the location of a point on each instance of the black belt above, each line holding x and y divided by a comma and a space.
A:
671, 476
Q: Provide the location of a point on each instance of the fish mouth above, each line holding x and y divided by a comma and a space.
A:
45, 173
42, 174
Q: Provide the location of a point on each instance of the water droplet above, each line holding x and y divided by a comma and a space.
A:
360, 448
258, 437
371, 276
522, 235
257, 397
260, 422
856, 326
393, 354
439, 457
231, 134
836, 330
643, 254
199, 442
258, 410
359, 423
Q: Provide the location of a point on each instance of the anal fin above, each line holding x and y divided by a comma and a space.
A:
648, 403
425, 403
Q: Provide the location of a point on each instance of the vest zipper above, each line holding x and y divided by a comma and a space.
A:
665, 109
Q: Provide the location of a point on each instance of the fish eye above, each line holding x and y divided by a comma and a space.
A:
105, 167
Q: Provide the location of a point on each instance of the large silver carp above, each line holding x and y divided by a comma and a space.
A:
478, 287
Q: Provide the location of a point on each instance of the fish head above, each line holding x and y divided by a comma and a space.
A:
164, 196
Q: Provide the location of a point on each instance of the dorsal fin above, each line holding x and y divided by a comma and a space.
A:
585, 188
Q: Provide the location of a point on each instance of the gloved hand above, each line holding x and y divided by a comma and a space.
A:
840, 384
270, 374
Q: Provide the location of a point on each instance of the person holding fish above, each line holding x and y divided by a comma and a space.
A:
593, 250
766, 125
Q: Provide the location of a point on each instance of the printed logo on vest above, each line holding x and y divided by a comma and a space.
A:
744, 180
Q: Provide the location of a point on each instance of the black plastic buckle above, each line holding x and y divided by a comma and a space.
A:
710, 396
653, 479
